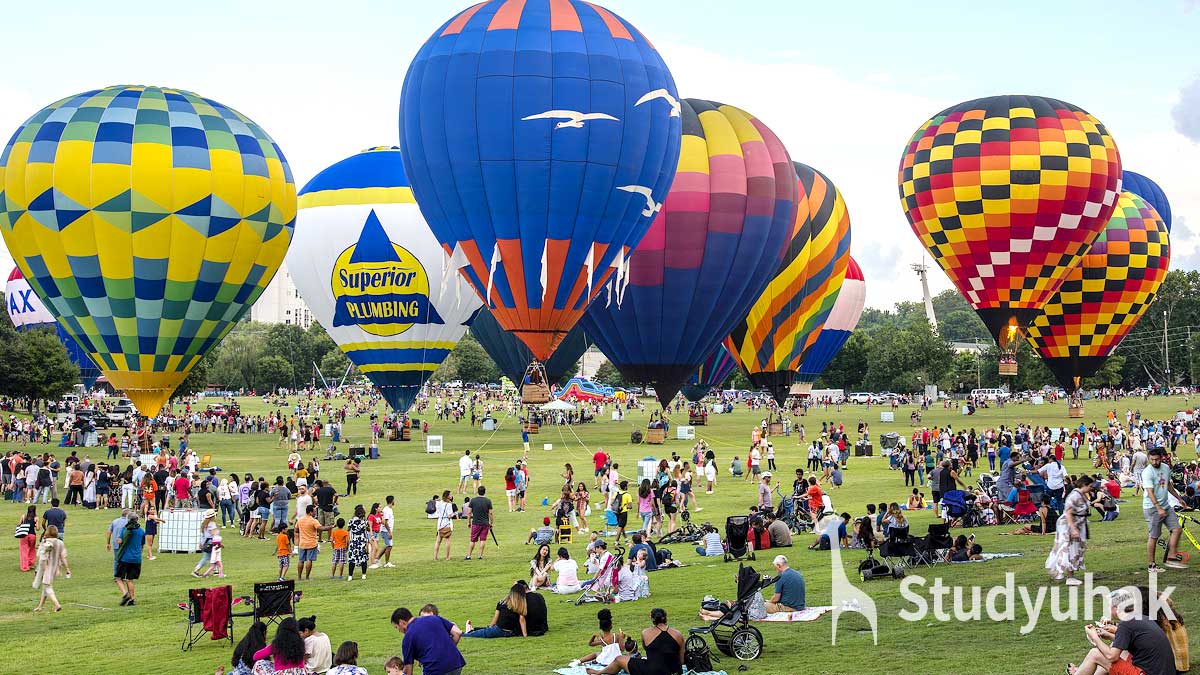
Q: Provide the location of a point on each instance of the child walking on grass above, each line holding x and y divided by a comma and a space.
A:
215, 563
341, 543
283, 550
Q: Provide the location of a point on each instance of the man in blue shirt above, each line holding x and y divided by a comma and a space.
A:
638, 544
789, 588
129, 558
430, 640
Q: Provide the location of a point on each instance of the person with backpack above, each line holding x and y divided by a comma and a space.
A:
622, 505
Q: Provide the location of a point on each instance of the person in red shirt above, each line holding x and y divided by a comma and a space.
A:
815, 502
1058, 451
600, 460
183, 491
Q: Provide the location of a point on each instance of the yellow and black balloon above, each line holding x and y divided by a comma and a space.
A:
148, 220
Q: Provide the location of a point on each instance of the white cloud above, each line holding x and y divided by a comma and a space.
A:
1187, 111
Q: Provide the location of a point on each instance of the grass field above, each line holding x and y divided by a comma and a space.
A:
94, 635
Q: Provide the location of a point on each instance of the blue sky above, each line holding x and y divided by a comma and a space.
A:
843, 84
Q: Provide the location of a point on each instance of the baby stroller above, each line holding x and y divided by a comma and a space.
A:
737, 538
890, 445
987, 484
602, 586
959, 509
793, 511
732, 632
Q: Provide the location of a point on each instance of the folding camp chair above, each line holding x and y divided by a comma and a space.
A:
898, 549
205, 461
931, 550
275, 600
195, 612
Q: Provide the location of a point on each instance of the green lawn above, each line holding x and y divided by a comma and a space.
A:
94, 635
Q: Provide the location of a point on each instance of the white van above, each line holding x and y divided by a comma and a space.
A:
989, 394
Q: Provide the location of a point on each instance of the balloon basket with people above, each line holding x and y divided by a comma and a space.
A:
535, 390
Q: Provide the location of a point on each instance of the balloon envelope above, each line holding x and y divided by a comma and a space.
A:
541, 137
708, 254
1150, 192
512, 355
148, 220
375, 276
843, 319
26, 311
771, 342
1105, 296
718, 366
1007, 193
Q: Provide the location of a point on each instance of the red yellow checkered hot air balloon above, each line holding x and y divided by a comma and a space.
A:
1007, 193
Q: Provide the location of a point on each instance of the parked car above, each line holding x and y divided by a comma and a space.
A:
860, 397
123, 412
216, 410
99, 419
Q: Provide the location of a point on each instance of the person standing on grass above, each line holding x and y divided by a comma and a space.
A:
308, 532
28, 544
444, 514
52, 562
129, 559
1156, 479
482, 519
464, 472
55, 517
359, 542
208, 530
385, 533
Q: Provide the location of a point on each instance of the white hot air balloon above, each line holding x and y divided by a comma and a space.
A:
374, 275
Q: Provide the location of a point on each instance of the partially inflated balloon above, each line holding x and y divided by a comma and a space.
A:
783, 324
26, 311
1103, 298
375, 276
1007, 193
149, 221
708, 254
541, 137
842, 321
715, 369
1150, 192
512, 356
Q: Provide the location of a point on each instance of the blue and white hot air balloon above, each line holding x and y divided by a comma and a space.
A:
374, 275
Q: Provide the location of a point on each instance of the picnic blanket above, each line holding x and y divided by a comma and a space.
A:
582, 670
808, 614
989, 556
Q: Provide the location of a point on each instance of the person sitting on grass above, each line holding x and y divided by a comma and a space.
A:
823, 542
789, 589
568, 573
287, 649
1134, 646
712, 543
542, 535
965, 549
642, 544
507, 621
664, 651
539, 567
610, 643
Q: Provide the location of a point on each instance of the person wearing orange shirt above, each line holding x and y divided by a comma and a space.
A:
308, 530
341, 547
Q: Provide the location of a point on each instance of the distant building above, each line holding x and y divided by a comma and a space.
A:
591, 361
972, 347
281, 303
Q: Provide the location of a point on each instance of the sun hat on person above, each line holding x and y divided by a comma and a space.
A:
211, 513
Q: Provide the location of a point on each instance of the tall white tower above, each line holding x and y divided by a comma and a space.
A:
922, 271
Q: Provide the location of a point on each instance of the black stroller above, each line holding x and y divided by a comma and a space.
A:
733, 633
737, 538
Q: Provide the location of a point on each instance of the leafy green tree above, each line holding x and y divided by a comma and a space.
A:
473, 363
51, 373
272, 372
849, 368
334, 365
1109, 374
608, 374
908, 359
196, 380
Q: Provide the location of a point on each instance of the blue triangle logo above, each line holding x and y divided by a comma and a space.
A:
373, 243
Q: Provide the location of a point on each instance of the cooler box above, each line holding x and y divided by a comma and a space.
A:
433, 444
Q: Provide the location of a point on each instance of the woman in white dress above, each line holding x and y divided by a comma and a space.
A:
89, 485
52, 562
1071, 533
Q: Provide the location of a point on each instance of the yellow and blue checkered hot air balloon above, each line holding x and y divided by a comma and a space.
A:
148, 220
375, 277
